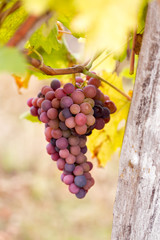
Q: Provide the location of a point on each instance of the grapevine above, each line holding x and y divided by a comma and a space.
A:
70, 114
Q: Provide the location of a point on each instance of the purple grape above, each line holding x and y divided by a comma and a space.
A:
46, 105
84, 149
81, 193
55, 156
49, 95
53, 141
80, 181
100, 123
62, 143
50, 149
44, 118
98, 111
63, 126
69, 167
66, 102
57, 149
106, 112
29, 102
66, 113
52, 113
66, 133
99, 103
55, 84
60, 164
69, 88
34, 111
59, 93
40, 95
90, 91
73, 140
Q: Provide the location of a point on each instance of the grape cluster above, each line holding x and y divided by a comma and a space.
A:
70, 113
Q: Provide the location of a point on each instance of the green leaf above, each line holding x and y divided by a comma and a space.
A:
12, 61
29, 117
46, 37
11, 23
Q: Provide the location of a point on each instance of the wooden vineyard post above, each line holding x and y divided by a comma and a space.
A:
137, 205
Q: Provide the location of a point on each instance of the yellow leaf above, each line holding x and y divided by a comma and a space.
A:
106, 22
22, 82
105, 142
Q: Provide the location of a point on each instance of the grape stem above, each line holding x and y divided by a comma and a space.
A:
86, 72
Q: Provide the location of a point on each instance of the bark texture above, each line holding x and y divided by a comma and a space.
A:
137, 205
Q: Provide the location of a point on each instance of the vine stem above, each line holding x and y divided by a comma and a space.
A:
4, 14
131, 71
86, 72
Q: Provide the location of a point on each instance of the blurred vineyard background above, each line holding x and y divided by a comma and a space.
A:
34, 203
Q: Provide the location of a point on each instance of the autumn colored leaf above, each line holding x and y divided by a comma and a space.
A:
104, 143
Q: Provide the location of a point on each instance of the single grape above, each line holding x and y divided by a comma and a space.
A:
39, 102
68, 179
46, 104
82, 141
107, 120
70, 122
85, 108
80, 119
34, 102
70, 159
50, 149
77, 96
34, 111
81, 158
73, 188
94, 81
111, 106
66, 113
75, 108
85, 166
46, 89
78, 170
44, 118
47, 132
98, 111
55, 103
62, 143
80, 181
106, 112
52, 113
69, 88
66, 102
73, 140
90, 120
55, 84
56, 133
84, 149
55, 156
100, 123
59, 93
66, 133
75, 150
63, 126
90, 91
54, 123
99, 103
60, 164
64, 153
81, 193
69, 167
49, 95
81, 129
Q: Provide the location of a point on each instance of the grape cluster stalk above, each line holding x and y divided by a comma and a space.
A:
70, 113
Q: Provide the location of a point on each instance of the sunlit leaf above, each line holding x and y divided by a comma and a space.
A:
29, 117
104, 143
